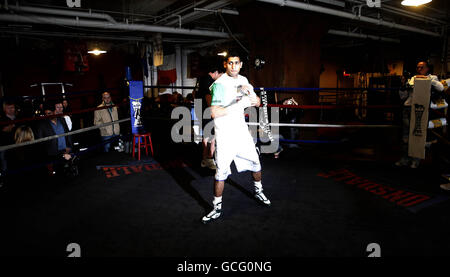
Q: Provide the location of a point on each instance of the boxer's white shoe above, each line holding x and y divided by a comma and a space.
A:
261, 197
214, 214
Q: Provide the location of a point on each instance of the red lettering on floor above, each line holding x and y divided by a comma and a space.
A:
110, 172
356, 180
363, 185
148, 167
346, 176
417, 199
136, 169
113, 171
397, 195
125, 169
381, 190
400, 197
373, 185
332, 173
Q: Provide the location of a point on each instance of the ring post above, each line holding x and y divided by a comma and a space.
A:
136, 96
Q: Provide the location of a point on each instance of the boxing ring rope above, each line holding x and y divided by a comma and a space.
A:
63, 96
324, 125
31, 119
332, 107
57, 115
319, 89
295, 125
174, 87
12, 146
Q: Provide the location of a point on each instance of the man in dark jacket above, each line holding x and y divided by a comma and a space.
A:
58, 149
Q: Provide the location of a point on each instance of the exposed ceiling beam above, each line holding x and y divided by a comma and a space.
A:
223, 11
412, 14
182, 10
197, 15
363, 36
108, 25
62, 12
72, 35
343, 14
209, 43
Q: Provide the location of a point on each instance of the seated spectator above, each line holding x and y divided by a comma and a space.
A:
22, 134
22, 159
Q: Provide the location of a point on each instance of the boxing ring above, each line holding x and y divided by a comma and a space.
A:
325, 201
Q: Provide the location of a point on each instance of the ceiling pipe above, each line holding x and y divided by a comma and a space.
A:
196, 15
77, 35
232, 12
62, 12
32, 33
364, 36
108, 25
413, 15
404, 12
208, 43
179, 19
319, 9
181, 11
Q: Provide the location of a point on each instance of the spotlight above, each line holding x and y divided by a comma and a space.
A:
415, 2
97, 52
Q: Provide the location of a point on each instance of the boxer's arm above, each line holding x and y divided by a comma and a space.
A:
218, 111
217, 100
256, 101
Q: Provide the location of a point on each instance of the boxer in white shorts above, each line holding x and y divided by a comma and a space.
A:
231, 94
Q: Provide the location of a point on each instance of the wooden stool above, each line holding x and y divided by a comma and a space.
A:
144, 143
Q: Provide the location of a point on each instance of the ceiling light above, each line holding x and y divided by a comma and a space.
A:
97, 52
224, 54
415, 2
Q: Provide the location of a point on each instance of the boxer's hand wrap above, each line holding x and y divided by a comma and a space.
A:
240, 105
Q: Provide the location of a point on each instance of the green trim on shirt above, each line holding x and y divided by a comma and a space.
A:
218, 95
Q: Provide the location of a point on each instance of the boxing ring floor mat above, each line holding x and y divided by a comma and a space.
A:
154, 209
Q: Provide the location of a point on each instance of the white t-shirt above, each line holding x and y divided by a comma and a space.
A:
233, 139
225, 92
